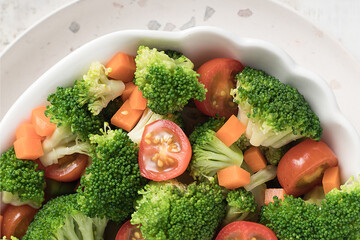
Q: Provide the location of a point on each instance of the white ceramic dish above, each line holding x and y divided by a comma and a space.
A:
199, 44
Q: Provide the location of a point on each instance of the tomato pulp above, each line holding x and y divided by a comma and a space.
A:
165, 151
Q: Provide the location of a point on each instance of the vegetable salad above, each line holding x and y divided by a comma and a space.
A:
150, 148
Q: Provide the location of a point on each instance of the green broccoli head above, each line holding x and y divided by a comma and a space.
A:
336, 218
60, 218
111, 183
339, 218
20, 181
274, 113
167, 84
241, 203
171, 210
210, 154
65, 109
148, 117
95, 89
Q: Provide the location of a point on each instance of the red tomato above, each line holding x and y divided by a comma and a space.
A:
302, 167
68, 169
243, 230
128, 231
218, 76
164, 152
16, 220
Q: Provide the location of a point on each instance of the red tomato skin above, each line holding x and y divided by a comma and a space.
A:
245, 230
183, 159
71, 172
16, 220
218, 74
125, 230
301, 160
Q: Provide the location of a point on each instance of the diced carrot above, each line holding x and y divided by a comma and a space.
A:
270, 193
233, 177
136, 100
129, 87
331, 179
28, 148
231, 131
26, 130
41, 123
255, 159
126, 117
122, 66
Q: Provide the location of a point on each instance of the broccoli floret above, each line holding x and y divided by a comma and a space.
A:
336, 218
339, 215
148, 117
65, 109
96, 90
111, 183
20, 181
243, 143
74, 124
167, 84
210, 154
240, 203
171, 210
60, 218
291, 218
274, 113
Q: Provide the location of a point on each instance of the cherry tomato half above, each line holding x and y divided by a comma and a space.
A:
165, 151
218, 76
16, 220
68, 169
243, 230
129, 232
302, 167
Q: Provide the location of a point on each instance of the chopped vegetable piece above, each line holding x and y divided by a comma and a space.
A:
126, 117
26, 130
68, 169
122, 67
231, 131
331, 179
28, 148
254, 159
233, 177
246, 230
41, 123
302, 167
270, 193
165, 151
129, 231
218, 76
136, 100
16, 220
129, 87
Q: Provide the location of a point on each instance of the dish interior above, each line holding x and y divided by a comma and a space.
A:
198, 44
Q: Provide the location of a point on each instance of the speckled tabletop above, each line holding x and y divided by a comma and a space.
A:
338, 18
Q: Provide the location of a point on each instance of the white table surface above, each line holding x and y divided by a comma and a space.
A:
340, 19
